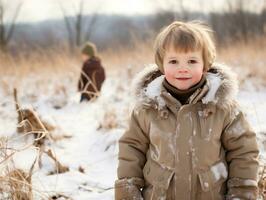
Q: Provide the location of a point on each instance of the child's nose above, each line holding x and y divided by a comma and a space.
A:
182, 70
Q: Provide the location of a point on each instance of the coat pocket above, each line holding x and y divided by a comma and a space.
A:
212, 183
157, 181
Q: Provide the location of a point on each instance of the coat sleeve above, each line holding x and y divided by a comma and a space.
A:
242, 152
98, 77
133, 146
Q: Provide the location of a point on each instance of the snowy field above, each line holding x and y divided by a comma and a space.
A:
94, 129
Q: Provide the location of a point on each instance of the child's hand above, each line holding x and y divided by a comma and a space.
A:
128, 188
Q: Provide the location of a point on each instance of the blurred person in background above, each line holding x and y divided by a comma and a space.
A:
92, 74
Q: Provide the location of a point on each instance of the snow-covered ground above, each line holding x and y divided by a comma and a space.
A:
93, 146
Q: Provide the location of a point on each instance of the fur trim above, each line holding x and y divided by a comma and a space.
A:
221, 80
144, 80
144, 77
226, 93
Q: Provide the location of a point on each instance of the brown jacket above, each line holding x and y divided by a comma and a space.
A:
91, 78
204, 150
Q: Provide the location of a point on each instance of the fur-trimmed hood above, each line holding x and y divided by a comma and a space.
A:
221, 87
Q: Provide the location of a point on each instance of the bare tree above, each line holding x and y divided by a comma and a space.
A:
240, 18
7, 28
75, 25
183, 10
263, 17
245, 18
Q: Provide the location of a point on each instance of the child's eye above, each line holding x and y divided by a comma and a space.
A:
192, 61
172, 61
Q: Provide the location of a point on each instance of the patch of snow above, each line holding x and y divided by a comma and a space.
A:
219, 171
153, 90
214, 83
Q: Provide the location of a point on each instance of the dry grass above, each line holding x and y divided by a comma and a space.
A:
119, 58
61, 61
44, 61
15, 183
109, 121
248, 57
38, 68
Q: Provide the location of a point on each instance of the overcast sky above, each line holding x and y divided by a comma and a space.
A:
38, 10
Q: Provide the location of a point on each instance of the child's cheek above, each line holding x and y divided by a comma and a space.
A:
199, 74
168, 76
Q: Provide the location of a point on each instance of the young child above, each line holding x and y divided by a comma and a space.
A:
92, 75
187, 138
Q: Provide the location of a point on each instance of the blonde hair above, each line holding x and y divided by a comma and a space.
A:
184, 37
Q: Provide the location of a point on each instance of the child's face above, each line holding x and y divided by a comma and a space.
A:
84, 57
183, 70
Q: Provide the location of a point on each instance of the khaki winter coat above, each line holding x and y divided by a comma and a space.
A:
204, 150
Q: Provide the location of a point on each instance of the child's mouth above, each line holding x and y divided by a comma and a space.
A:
182, 79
